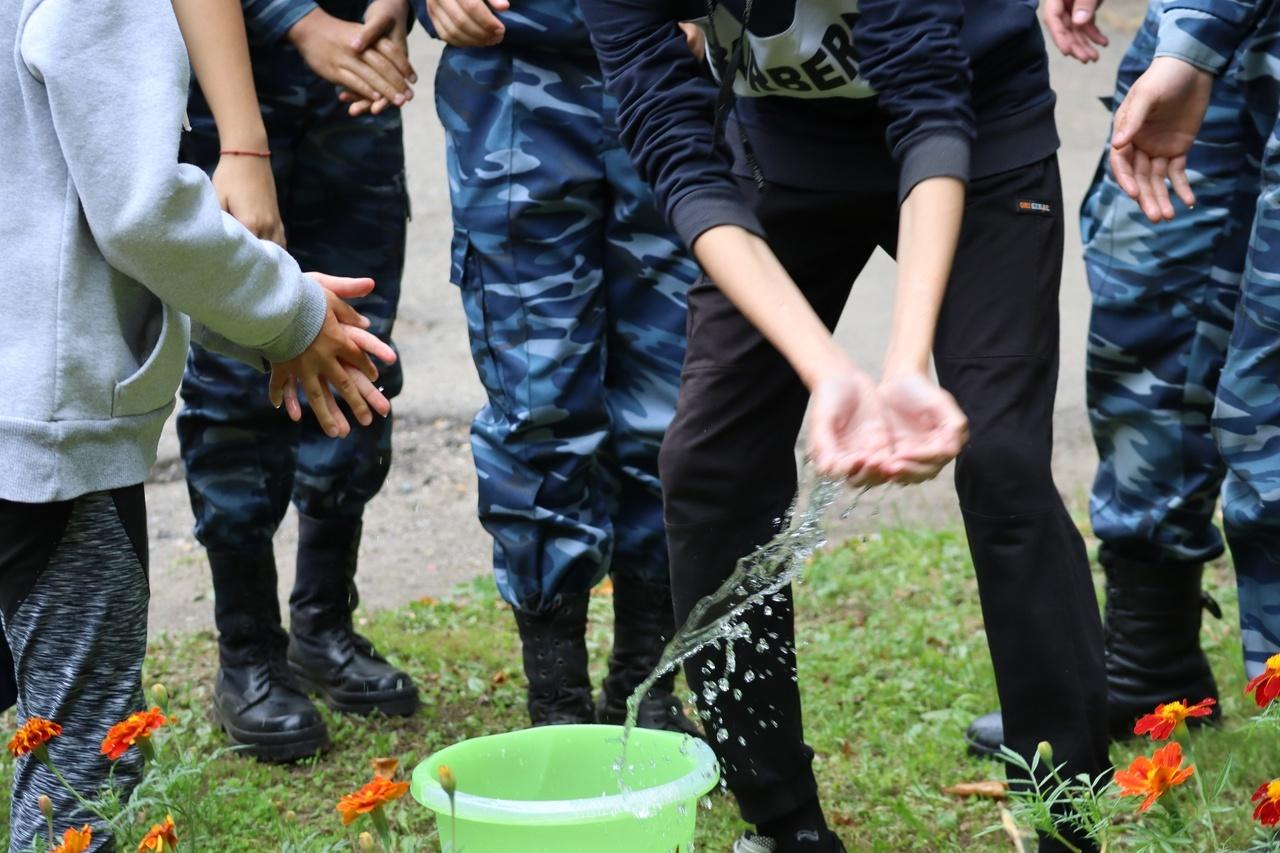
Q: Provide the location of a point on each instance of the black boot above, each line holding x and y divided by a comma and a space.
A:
1151, 630
326, 654
643, 622
554, 644
255, 698
1152, 633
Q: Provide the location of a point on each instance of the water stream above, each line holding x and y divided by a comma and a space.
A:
757, 577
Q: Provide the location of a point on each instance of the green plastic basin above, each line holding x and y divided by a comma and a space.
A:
557, 789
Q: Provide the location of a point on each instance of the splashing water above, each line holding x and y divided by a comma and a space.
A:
757, 577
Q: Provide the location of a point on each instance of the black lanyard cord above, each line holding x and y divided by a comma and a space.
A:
726, 101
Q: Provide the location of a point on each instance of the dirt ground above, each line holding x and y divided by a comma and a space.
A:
421, 535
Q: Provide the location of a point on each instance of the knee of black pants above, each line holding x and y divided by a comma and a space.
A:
718, 464
1005, 472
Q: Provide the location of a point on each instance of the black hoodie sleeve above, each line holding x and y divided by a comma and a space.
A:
910, 53
666, 113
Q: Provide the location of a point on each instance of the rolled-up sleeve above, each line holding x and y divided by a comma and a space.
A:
911, 54
1205, 33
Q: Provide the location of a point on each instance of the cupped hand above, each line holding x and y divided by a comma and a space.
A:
247, 190
1154, 129
849, 436
927, 426
339, 357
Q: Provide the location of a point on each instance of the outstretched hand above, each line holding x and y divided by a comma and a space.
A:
1154, 129
1072, 26
338, 357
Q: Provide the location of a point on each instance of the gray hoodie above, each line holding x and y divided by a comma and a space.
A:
107, 244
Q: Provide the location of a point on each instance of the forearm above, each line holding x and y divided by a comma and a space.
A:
214, 32
928, 230
745, 269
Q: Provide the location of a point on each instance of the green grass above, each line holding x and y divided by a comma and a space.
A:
893, 663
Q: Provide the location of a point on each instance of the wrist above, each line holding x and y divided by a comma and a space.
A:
243, 141
832, 363
301, 32
898, 366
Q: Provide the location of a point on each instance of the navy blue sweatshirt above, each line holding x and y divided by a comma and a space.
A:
842, 95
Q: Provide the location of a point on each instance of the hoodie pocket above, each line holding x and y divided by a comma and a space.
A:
153, 385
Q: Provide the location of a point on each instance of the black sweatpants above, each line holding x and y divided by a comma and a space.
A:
73, 602
728, 472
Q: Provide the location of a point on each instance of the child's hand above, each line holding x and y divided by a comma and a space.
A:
849, 437
696, 39
339, 356
332, 49
468, 23
1073, 28
247, 189
386, 29
1154, 128
928, 428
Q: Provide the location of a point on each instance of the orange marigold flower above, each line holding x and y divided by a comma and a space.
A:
34, 734
75, 840
1169, 716
1152, 777
1268, 799
137, 729
160, 838
376, 794
1266, 686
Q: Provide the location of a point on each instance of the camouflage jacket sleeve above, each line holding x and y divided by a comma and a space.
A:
269, 20
1205, 33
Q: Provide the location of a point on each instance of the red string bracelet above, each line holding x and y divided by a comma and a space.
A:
237, 152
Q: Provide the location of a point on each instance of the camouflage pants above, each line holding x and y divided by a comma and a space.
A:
342, 196
1184, 353
574, 291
